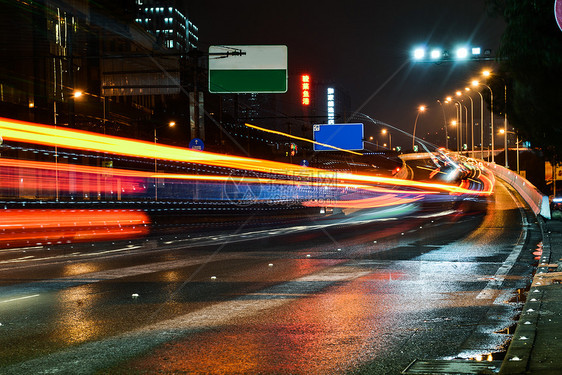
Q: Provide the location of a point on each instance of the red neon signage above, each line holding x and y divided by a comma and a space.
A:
305, 86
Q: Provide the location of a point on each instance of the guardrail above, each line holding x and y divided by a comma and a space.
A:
538, 202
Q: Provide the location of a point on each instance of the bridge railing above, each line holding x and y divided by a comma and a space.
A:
538, 202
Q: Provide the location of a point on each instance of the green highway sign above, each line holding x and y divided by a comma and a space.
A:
260, 69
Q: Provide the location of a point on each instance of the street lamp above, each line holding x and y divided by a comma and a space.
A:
503, 131
421, 109
455, 123
467, 89
459, 122
445, 124
78, 93
459, 94
171, 124
384, 131
487, 73
476, 83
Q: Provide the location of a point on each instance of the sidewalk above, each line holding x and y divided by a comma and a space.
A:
536, 347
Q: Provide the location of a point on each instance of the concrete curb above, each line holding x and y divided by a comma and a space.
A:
519, 354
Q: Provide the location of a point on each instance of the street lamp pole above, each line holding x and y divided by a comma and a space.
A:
445, 124
384, 131
504, 131
466, 126
486, 73
475, 83
78, 93
171, 124
421, 108
491, 115
505, 126
471, 120
459, 127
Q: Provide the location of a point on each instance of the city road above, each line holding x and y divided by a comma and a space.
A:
366, 297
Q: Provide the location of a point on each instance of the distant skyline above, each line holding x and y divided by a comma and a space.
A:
360, 45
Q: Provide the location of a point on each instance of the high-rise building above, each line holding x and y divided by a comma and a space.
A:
168, 24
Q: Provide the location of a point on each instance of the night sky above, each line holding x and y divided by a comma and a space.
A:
359, 45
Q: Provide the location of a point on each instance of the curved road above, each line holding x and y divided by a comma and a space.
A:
364, 298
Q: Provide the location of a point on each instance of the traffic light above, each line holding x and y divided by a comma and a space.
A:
293, 149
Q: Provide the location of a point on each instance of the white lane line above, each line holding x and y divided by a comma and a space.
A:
76, 254
19, 298
114, 250
493, 285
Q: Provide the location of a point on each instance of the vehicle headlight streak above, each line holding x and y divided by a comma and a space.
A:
11, 130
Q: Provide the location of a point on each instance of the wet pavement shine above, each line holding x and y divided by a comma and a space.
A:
368, 299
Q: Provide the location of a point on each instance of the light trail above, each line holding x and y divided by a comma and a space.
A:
25, 226
76, 139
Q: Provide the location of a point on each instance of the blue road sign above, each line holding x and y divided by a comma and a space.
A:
343, 136
196, 144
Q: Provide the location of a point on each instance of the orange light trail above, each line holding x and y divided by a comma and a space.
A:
81, 140
375, 202
30, 226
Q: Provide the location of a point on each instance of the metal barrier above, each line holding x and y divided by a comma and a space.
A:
538, 202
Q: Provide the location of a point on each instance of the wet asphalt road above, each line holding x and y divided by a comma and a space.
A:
366, 298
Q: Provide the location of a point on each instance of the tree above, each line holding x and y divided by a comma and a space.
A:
530, 58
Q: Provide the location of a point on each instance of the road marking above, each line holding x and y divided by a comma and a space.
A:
493, 285
19, 298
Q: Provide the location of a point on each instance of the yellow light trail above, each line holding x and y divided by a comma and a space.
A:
81, 140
